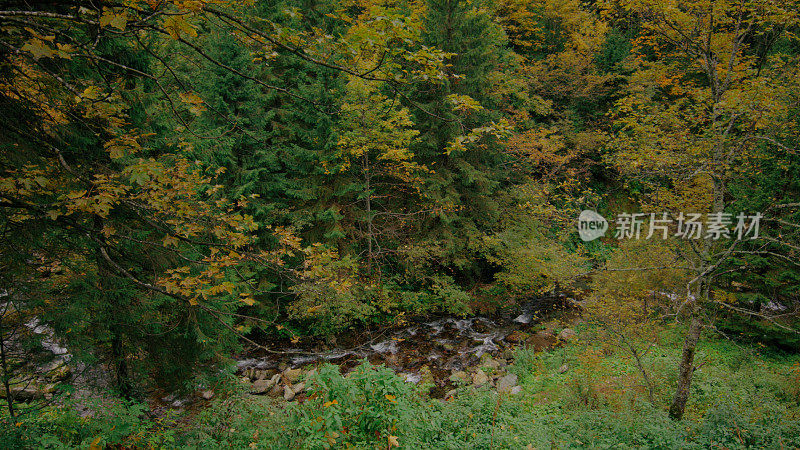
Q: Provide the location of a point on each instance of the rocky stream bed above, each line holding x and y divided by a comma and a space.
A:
445, 353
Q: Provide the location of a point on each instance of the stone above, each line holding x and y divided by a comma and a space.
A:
507, 382
563, 369
60, 373
459, 377
276, 391
517, 336
261, 386
479, 378
292, 375
515, 390
208, 394
298, 388
566, 334
288, 393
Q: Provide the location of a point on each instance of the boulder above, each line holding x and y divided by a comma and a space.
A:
59, 373
507, 382
489, 362
261, 386
566, 334
292, 375
459, 377
479, 378
288, 393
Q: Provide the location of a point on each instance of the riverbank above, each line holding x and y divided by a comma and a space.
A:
580, 394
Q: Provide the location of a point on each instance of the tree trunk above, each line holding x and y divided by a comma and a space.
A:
686, 369
6, 372
119, 362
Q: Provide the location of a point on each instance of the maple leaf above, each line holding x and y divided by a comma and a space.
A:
38, 48
116, 20
177, 26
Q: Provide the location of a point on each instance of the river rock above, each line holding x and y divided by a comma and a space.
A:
489, 362
563, 369
566, 334
459, 377
292, 375
261, 386
59, 373
288, 393
426, 376
507, 382
517, 336
276, 391
479, 378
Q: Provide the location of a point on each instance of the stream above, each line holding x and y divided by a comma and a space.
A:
432, 349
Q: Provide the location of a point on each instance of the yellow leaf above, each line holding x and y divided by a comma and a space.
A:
76, 194
116, 20
332, 402
313, 309
177, 26
391, 398
393, 441
170, 240
38, 49
94, 445
247, 299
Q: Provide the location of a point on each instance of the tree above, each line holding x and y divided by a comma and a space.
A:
703, 102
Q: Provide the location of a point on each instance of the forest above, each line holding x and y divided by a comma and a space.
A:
417, 224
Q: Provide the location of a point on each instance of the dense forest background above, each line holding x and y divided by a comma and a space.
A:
183, 179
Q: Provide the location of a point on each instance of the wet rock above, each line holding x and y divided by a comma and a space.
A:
517, 336
563, 369
288, 393
566, 334
292, 375
489, 362
507, 382
479, 378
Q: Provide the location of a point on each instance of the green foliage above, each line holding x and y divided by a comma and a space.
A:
114, 423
